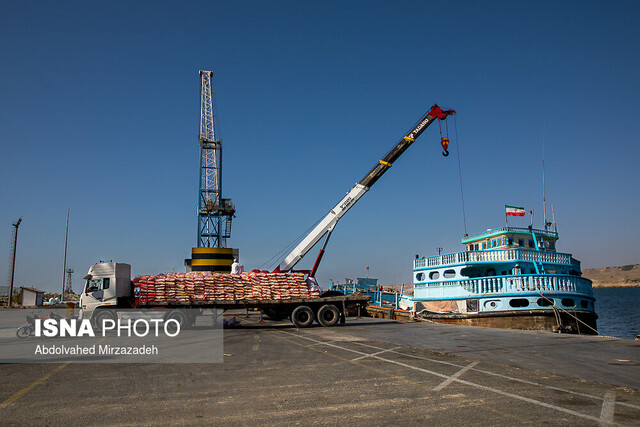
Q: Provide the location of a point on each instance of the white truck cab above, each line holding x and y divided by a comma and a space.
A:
105, 283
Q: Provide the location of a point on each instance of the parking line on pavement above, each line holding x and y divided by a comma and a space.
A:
468, 383
495, 374
608, 408
453, 377
375, 354
34, 384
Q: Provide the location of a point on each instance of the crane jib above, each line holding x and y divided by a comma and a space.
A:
327, 224
382, 166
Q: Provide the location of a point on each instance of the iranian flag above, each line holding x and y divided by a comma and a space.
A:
514, 210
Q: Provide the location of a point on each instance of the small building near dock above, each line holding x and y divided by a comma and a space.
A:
31, 296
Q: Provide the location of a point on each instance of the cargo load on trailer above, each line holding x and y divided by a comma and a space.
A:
207, 286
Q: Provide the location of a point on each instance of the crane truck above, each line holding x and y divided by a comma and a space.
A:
109, 288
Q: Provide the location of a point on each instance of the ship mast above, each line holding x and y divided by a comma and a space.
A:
544, 200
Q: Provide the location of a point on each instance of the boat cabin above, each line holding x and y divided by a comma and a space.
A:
512, 238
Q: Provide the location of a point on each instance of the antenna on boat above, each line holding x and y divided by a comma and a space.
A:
553, 218
544, 199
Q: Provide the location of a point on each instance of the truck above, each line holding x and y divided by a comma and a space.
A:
109, 289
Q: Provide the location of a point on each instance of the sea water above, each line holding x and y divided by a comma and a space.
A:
618, 311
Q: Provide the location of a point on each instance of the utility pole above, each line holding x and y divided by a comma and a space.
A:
16, 225
64, 268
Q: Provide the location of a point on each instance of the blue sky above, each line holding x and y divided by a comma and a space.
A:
99, 114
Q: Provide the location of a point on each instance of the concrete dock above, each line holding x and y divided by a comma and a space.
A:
368, 371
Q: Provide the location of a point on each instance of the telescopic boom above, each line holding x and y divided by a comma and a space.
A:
327, 224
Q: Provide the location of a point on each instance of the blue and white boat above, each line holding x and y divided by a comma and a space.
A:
507, 277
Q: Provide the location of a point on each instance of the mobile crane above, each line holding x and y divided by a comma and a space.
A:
327, 224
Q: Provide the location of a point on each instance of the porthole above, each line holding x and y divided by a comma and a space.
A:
568, 302
492, 304
449, 274
420, 277
519, 302
434, 275
545, 302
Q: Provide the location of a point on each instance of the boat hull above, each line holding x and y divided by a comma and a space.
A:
539, 320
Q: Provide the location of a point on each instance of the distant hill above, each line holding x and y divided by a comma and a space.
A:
614, 277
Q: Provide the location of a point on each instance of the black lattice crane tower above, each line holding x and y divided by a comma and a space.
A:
214, 212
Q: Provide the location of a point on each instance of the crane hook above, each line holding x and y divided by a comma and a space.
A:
445, 144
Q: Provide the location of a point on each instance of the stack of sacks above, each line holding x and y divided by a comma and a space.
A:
205, 286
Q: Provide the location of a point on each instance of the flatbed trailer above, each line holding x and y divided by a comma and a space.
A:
326, 311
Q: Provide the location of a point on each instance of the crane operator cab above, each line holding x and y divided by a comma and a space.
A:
105, 283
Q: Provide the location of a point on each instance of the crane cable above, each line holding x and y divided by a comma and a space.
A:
274, 259
464, 215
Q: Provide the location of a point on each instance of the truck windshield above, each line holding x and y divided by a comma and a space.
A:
92, 285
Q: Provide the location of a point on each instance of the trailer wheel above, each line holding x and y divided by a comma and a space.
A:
100, 316
302, 316
179, 317
328, 315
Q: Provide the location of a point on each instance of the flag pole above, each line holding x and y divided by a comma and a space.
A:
505, 216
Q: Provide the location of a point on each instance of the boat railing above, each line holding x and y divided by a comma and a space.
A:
492, 256
549, 233
540, 283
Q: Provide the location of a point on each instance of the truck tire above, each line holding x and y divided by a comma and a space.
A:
302, 316
99, 316
178, 316
328, 315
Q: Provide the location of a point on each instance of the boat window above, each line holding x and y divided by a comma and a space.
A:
511, 272
420, 277
545, 302
520, 242
484, 245
519, 302
510, 241
531, 244
503, 273
584, 304
448, 274
434, 275
568, 302
477, 246
552, 246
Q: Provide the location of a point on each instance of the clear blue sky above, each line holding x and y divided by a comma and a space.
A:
99, 113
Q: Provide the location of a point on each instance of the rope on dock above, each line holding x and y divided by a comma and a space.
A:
556, 307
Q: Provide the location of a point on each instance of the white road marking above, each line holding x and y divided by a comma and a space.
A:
520, 380
453, 377
437, 374
608, 408
374, 354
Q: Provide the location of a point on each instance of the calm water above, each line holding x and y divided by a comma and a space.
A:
618, 311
